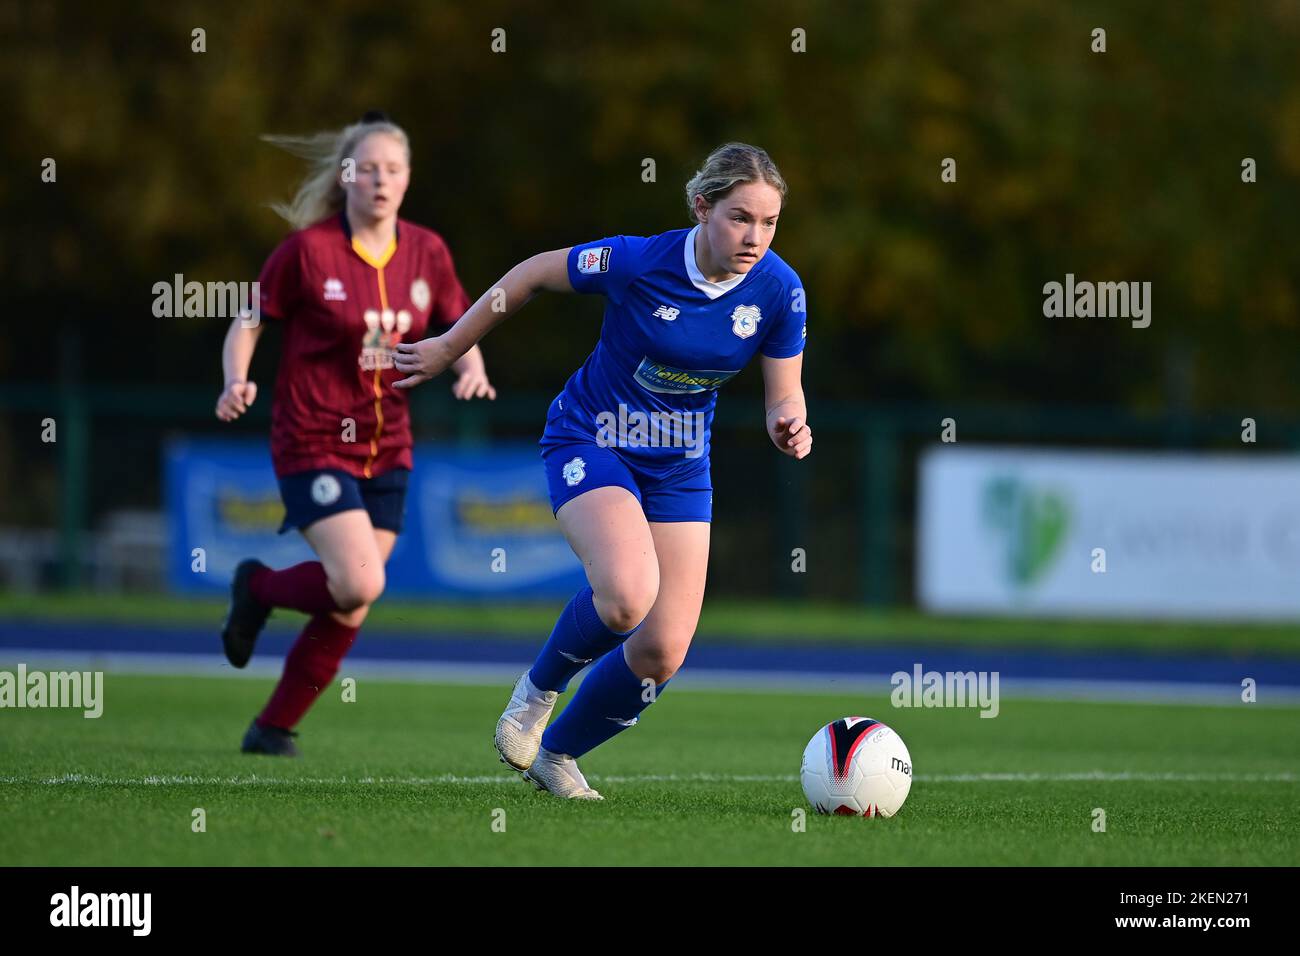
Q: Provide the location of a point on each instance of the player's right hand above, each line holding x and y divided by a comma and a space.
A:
421, 361
234, 401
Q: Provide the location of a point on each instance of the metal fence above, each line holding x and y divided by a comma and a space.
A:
850, 506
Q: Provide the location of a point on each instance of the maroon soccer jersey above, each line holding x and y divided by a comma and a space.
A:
344, 311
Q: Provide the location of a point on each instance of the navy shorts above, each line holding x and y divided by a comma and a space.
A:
311, 495
681, 493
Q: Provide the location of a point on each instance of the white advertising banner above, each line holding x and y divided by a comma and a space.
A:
1118, 534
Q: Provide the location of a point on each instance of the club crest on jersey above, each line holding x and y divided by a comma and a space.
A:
744, 321
334, 291
383, 331
666, 312
593, 260
574, 471
420, 295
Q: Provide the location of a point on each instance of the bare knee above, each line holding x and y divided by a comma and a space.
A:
353, 618
358, 589
625, 605
657, 663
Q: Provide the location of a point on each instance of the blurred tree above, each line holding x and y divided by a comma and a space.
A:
1117, 166
1122, 165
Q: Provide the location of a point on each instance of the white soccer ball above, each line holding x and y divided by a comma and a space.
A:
856, 766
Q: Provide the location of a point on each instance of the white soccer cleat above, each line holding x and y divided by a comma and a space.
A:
519, 731
559, 774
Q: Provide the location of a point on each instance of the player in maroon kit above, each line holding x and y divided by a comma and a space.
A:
351, 283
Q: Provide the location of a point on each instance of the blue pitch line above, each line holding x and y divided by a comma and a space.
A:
711, 654
503, 676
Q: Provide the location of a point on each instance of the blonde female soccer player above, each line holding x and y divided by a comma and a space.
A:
352, 282
626, 443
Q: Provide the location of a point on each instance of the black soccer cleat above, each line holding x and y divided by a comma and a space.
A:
246, 617
272, 741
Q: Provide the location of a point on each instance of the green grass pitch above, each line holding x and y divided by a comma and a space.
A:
407, 775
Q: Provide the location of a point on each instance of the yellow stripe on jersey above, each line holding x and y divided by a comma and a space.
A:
379, 393
365, 255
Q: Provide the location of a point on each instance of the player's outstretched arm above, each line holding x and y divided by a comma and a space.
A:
421, 361
787, 415
236, 356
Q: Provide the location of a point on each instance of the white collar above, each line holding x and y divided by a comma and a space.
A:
711, 289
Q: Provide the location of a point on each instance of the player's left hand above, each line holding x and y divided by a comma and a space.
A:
473, 383
792, 436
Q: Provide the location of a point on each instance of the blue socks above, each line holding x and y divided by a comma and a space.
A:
579, 637
610, 698
608, 702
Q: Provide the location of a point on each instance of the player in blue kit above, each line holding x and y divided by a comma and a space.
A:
626, 444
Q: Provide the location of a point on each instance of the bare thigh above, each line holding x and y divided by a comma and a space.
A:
658, 649
353, 553
609, 533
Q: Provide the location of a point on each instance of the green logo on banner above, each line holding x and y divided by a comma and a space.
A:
1034, 522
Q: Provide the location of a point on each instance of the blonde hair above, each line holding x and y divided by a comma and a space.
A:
729, 166
320, 195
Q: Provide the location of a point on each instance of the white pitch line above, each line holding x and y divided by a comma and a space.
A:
188, 780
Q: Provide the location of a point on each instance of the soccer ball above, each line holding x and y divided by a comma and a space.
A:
856, 767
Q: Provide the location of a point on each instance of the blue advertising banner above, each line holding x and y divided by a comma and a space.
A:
478, 522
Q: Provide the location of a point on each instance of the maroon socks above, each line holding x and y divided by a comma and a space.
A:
309, 667
302, 587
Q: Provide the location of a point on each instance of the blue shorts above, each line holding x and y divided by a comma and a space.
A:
311, 495
682, 493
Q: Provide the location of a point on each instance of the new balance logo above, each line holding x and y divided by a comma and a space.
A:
667, 313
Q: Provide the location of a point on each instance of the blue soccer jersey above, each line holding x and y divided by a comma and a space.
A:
670, 338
